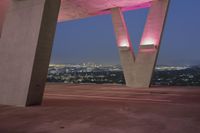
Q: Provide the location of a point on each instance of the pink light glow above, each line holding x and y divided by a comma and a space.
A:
128, 8
76, 9
144, 5
124, 43
148, 41
155, 23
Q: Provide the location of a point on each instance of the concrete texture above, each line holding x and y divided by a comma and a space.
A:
107, 109
124, 45
128, 64
3, 9
138, 69
76, 9
122, 37
146, 59
26, 43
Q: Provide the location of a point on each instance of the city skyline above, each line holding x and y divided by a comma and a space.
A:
92, 39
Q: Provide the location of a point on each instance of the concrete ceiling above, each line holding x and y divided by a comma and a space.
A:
76, 9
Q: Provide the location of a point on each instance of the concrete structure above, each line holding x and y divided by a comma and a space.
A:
27, 29
138, 71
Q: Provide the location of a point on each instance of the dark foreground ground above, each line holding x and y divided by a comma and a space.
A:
107, 109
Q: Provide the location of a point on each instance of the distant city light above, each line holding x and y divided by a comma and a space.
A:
88, 72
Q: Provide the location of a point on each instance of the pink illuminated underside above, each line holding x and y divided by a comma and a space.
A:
76, 9
127, 8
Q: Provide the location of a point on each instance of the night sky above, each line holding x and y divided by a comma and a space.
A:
92, 39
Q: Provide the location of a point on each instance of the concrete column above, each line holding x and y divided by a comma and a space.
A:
150, 43
124, 45
26, 44
138, 71
3, 8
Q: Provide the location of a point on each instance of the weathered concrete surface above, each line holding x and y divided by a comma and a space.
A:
26, 44
107, 109
76, 9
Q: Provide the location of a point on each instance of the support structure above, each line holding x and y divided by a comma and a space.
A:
3, 8
124, 45
27, 30
138, 71
25, 48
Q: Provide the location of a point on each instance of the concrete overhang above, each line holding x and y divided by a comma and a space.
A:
76, 9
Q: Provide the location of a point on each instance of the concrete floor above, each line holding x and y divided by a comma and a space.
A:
107, 109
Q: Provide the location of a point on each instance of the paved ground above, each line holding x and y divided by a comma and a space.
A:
107, 109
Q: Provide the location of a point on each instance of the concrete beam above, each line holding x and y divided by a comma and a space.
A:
138, 71
26, 44
124, 45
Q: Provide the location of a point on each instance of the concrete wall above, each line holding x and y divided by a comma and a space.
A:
26, 44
